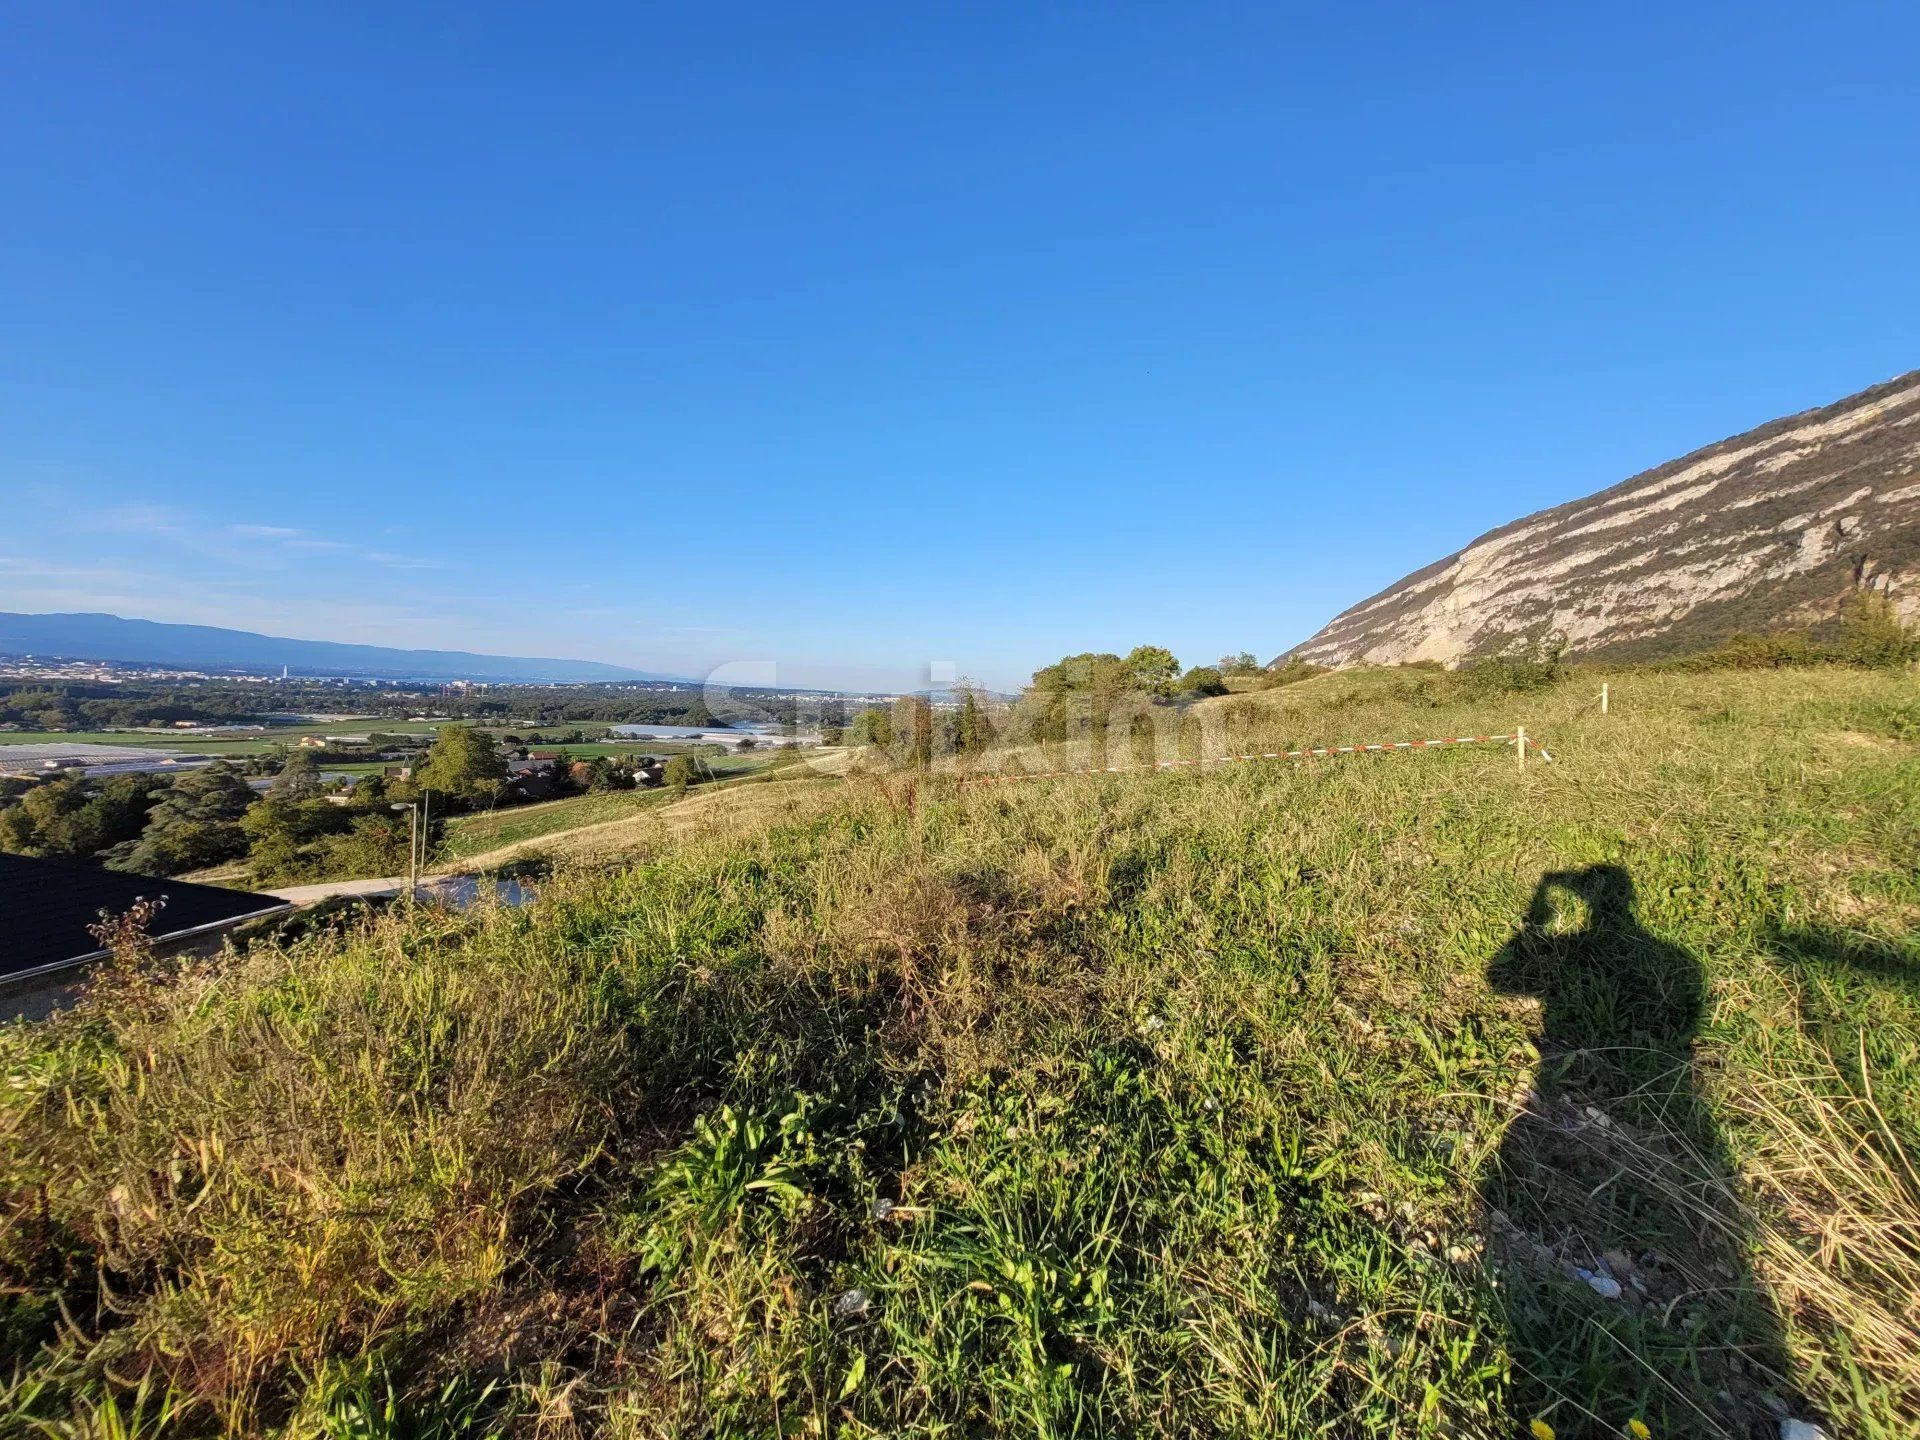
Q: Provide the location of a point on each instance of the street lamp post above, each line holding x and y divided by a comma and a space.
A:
413, 845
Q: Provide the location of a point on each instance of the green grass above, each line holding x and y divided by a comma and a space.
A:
1266, 1100
470, 835
284, 735
489, 830
207, 745
89, 737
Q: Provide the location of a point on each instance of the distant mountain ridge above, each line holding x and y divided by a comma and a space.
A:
1771, 528
209, 647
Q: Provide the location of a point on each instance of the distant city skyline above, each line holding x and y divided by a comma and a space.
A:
850, 341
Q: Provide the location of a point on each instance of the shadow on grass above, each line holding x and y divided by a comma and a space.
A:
1843, 976
1846, 959
1612, 1209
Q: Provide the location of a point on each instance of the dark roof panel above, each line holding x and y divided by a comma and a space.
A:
46, 907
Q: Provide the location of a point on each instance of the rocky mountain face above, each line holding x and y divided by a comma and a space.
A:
1771, 528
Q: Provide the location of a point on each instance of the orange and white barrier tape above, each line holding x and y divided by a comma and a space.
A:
1320, 752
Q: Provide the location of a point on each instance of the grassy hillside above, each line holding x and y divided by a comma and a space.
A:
490, 829
1262, 1100
605, 829
479, 834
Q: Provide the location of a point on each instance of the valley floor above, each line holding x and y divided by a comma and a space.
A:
1400, 1095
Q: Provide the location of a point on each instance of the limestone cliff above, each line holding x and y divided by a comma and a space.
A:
1770, 528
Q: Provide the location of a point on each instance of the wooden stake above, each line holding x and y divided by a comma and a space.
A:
1520, 744
1603, 697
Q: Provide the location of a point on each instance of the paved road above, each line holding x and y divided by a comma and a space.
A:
388, 885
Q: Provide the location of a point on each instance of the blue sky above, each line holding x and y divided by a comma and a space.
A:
856, 338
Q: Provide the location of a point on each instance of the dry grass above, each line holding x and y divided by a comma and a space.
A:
1173, 1104
1834, 1182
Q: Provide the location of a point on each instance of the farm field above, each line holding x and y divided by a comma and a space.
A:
252, 744
269, 736
286, 735
1407, 1094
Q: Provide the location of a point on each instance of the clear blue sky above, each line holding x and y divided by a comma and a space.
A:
862, 337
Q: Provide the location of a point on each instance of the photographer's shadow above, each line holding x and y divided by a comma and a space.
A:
1612, 1211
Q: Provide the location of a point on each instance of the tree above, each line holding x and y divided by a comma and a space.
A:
275, 815
176, 848
1072, 691
214, 793
118, 809
288, 835
1084, 692
30, 827
560, 772
1152, 668
1872, 634
375, 844
1203, 680
913, 729
602, 775
873, 727
1096, 671
972, 731
195, 823
679, 774
276, 855
1238, 663
299, 777
463, 762
75, 818
17, 831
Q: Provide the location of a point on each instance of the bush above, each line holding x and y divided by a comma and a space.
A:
1521, 670
376, 844
1777, 651
1286, 672
317, 1154
1203, 680
1873, 635
1870, 635
1295, 670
